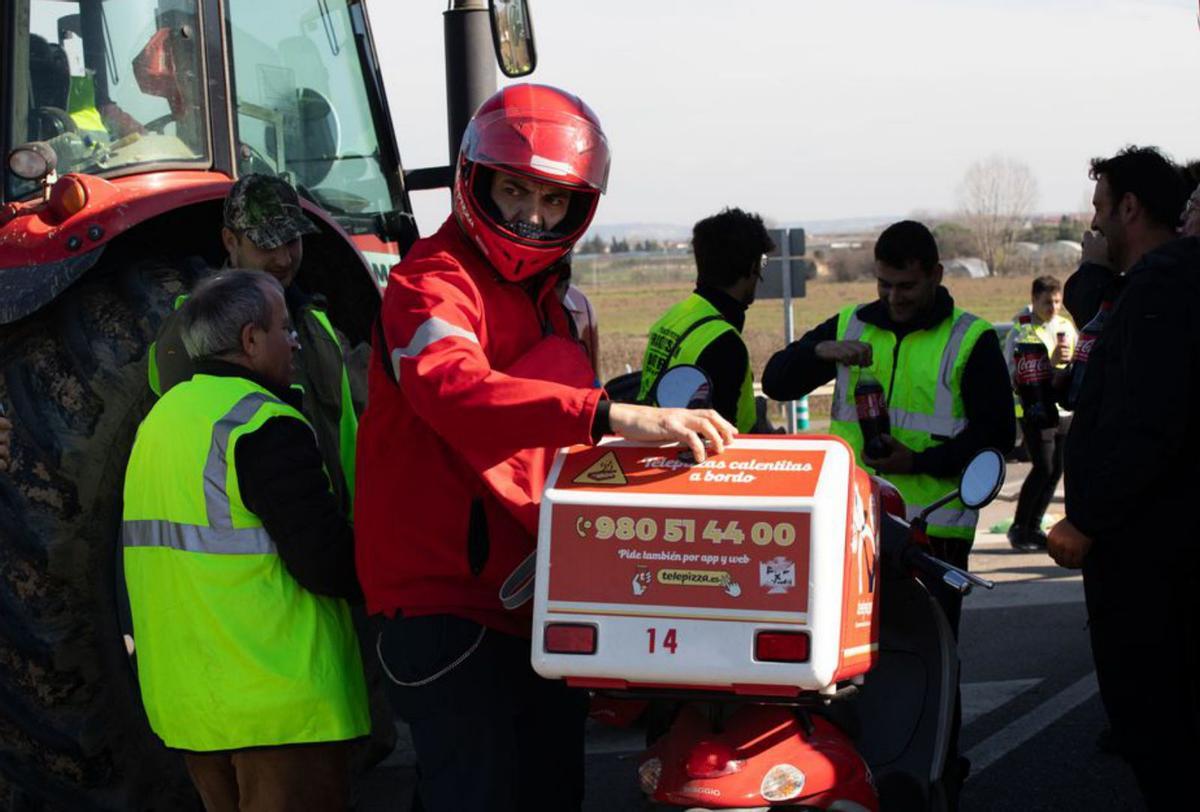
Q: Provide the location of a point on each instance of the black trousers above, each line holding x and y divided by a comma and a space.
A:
489, 732
1045, 448
1142, 616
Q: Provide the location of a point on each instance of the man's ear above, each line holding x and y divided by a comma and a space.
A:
938, 272
1129, 208
250, 343
229, 241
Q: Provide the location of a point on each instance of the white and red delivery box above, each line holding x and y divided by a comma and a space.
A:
753, 572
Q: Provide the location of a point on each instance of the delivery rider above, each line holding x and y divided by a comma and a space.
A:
474, 381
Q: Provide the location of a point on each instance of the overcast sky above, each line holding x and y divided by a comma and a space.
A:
814, 110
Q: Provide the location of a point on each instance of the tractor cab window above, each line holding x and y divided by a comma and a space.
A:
110, 84
303, 105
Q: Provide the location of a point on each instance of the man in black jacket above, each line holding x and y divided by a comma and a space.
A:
1131, 469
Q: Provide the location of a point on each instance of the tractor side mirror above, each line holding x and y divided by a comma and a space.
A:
684, 387
982, 478
512, 35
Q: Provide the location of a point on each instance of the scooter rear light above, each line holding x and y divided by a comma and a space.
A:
781, 647
569, 638
649, 773
783, 782
712, 760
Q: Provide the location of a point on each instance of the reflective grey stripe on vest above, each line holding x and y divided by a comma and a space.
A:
431, 330
945, 516
943, 406
843, 399
942, 422
216, 467
220, 536
189, 538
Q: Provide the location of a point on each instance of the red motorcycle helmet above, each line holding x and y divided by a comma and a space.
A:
548, 136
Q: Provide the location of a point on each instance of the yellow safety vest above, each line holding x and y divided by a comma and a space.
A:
231, 651
679, 337
922, 384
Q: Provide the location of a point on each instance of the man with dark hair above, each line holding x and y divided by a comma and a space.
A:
945, 383
238, 560
1130, 476
1045, 446
705, 329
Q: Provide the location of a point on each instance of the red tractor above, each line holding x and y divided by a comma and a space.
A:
124, 123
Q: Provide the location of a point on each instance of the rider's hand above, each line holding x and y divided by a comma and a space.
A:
898, 460
1067, 546
5, 442
851, 353
688, 426
1095, 248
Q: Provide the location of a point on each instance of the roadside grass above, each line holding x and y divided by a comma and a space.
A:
630, 298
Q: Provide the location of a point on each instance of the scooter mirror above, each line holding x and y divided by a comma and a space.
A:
684, 387
982, 478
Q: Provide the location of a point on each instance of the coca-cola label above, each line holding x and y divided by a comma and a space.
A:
869, 404
1084, 348
1032, 368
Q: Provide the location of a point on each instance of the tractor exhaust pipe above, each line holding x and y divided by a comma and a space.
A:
470, 66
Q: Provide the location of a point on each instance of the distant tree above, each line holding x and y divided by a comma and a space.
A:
953, 240
616, 246
1040, 233
593, 245
1069, 228
997, 195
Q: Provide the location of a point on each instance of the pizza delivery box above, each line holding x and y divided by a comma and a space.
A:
753, 572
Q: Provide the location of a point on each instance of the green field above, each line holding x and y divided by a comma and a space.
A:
629, 295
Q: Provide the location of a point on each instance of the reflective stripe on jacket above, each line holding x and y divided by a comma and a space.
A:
922, 381
231, 651
664, 349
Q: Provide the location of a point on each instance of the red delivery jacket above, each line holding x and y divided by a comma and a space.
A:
480, 387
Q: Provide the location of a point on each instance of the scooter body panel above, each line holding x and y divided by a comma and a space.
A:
759, 738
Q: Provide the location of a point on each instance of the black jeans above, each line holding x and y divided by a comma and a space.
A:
1142, 616
489, 732
1045, 448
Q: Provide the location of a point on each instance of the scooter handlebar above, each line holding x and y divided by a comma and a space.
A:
957, 579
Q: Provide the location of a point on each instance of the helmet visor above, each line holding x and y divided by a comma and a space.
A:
553, 146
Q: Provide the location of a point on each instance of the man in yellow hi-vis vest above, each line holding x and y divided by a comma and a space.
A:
238, 560
944, 380
705, 329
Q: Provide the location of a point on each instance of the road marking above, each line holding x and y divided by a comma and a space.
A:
1017, 594
981, 698
1021, 730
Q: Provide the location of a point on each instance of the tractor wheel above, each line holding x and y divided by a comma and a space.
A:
73, 734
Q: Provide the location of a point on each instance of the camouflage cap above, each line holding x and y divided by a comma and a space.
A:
267, 210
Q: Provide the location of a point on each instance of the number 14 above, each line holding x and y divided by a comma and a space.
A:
668, 642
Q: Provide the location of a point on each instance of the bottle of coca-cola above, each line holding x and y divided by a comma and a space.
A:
871, 406
1033, 376
1083, 350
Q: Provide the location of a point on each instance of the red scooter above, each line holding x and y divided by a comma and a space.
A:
871, 733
